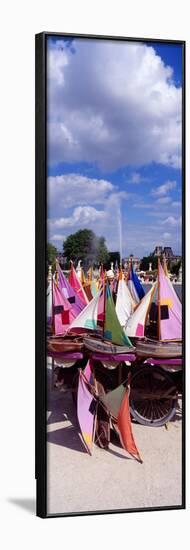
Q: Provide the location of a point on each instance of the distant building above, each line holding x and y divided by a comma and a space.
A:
135, 261
157, 251
167, 253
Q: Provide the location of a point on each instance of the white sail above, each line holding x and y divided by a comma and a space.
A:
136, 323
87, 319
125, 304
133, 291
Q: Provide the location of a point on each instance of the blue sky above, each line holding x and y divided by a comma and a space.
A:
114, 142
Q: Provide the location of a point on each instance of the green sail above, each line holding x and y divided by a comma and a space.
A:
113, 399
112, 328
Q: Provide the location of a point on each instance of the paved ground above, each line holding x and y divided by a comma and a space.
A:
109, 479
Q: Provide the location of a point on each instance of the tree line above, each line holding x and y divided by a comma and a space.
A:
84, 245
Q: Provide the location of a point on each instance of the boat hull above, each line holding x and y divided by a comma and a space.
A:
61, 345
96, 346
151, 348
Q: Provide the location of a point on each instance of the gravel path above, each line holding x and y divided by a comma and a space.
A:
110, 479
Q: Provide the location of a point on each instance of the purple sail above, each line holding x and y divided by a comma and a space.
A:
69, 293
171, 310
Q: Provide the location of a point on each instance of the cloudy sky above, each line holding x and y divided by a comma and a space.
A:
114, 142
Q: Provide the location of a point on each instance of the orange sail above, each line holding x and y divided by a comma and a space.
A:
125, 428
86, 284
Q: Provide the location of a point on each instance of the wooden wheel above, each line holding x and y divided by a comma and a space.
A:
153, 396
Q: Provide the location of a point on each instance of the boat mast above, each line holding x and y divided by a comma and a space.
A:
165, 268
159, 310
120, 274
127, 274
149, 306
51, 283
104, 310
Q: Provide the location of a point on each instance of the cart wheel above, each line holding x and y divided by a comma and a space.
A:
153, 398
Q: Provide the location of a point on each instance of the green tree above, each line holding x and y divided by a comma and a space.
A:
51, 253
102, 251
86, 246
175, 268
146, 260
113, 257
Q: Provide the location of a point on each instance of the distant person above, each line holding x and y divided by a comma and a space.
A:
112, 283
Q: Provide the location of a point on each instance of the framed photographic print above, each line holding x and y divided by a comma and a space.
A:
110, 274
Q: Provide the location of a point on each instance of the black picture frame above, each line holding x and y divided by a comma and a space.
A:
40, 270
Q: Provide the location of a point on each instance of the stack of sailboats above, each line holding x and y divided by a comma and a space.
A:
63, 306
100, 317
160, 308
154, 323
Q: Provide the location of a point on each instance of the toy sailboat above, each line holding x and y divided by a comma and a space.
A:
158, 315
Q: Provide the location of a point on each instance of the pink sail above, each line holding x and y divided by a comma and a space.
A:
68, 292
171, 310
102, 276
86, 413
101, 305
62, 312
88, 372
76, 285
49, 304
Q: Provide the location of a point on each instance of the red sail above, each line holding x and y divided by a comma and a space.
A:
125, 428
77, 286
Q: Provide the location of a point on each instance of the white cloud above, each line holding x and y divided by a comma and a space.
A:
143, 205
114, 104
164, 188
171, 221
58, 237
176, 204
136, 178
155, 205
67, 190
57, 61
134, 240
81, 216
104, 220
163, 200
